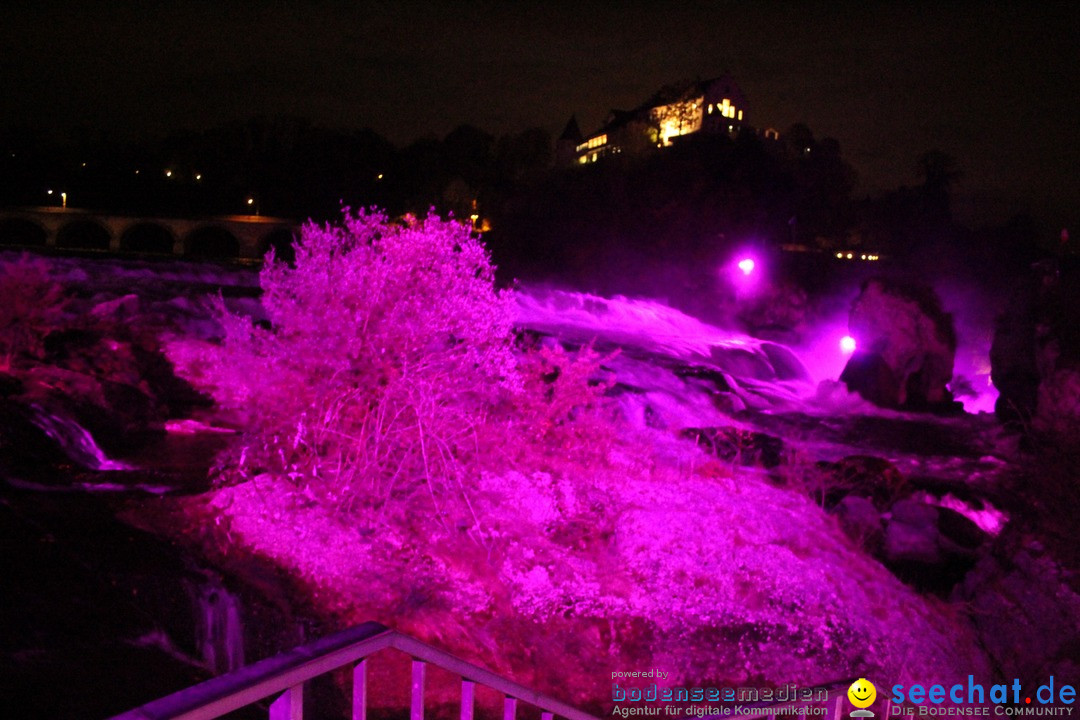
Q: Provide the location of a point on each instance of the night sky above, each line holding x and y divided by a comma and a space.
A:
996, 86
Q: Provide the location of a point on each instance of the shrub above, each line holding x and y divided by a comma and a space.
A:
388, 347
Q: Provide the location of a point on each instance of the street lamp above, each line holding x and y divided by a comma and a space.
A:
252, 204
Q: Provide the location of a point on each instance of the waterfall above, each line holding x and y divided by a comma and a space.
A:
219, 631
658, 329
76, 442
677, 370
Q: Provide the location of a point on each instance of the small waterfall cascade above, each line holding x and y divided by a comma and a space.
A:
219, 629
678, 370
75, 440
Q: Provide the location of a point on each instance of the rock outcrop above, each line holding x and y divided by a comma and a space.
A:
1024, 602
906, 347
1035, 355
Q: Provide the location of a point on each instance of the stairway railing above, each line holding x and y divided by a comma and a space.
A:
285, 674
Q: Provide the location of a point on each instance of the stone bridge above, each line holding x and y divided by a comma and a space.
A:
245, 237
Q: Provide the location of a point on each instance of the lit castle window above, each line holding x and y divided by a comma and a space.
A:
712, 107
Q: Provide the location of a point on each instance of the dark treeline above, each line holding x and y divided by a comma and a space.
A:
617, 221
288, 166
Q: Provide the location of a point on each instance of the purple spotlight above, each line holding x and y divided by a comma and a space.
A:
746, 265
847, 344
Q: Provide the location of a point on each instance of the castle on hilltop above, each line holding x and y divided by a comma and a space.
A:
714, 106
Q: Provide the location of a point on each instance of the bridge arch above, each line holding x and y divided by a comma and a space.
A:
212, 241
148, 237
280, 240
20, 231
83, 235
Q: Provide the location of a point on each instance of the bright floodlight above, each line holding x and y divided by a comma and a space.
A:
746, 265
847, 344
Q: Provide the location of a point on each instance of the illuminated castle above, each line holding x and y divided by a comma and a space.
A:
710, 106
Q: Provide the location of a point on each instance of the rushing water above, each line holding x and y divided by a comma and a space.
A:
75, 441
219, 628
677, 372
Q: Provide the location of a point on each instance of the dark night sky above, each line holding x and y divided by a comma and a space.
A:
995, 85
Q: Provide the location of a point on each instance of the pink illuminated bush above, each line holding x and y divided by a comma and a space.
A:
388, 345
388, 375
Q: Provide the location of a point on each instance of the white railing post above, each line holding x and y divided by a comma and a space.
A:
289, 705
547, 716
509, 708
468, 693
417, 712
359, 690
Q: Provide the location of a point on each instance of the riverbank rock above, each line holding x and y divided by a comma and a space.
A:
1057, 411
1035, 354
779, 313
90, 396
23, 445
1024, 603
906, 347
930, 547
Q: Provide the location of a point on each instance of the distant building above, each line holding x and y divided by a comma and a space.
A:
714, 106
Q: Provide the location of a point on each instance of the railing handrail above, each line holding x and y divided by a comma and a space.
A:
274, 675
423, 651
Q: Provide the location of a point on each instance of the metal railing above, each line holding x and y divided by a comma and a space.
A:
284, 675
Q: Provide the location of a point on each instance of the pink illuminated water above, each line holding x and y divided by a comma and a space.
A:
788, 372
682, 372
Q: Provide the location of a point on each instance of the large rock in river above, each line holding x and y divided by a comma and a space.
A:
906, 346
1035, 356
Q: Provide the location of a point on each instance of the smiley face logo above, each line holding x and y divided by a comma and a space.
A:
862, 693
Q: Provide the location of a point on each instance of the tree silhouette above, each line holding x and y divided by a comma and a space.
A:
939, 174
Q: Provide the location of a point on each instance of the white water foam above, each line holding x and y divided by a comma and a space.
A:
75, 440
